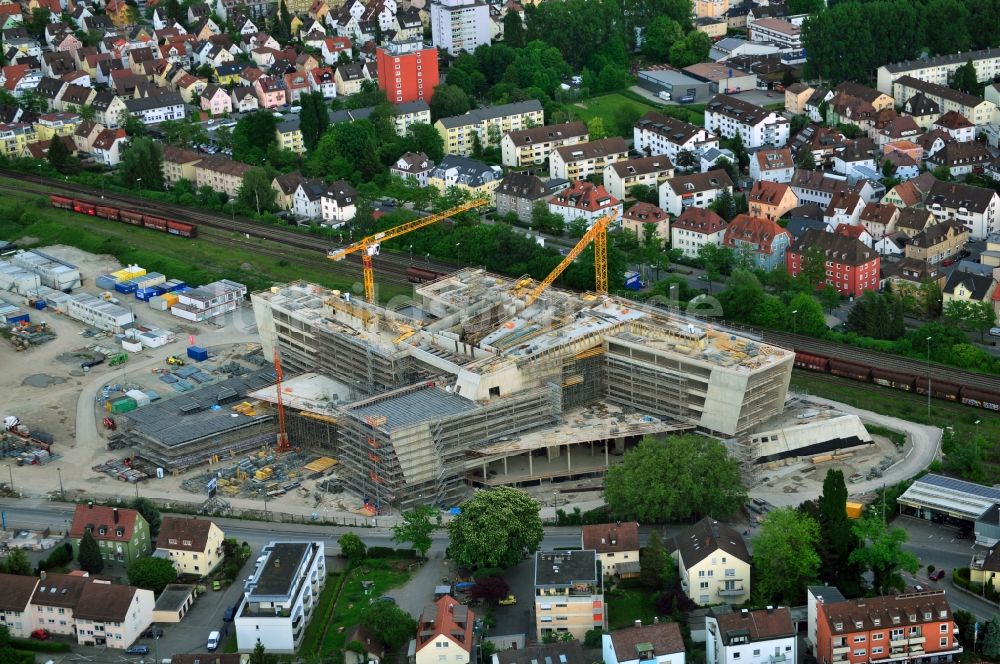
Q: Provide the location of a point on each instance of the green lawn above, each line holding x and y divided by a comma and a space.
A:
626, 605
620, 110
353, 600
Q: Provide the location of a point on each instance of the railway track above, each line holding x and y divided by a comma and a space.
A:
387, 263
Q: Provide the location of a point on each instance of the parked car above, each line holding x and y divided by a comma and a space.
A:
937, 575
213, 641
40, 635
216, 585
228, 615
152, 633
137, 650
948, 262
509, 600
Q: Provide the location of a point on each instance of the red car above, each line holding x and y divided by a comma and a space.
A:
40, 634
948, 262
937, 575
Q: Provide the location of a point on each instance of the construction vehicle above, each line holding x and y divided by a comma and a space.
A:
115, 360
371, 245
175, 361
109, 423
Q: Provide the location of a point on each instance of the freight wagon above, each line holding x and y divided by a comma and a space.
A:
125, 216
419, 275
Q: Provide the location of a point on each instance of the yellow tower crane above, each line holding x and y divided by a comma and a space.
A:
369, 246
596, 234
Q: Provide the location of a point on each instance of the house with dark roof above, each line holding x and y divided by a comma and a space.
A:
581, 160
121, 533
968, 286
960, 158
617, 547
659, 643
445, 626
731, 116
415, 166
564, 652
193, 545
976, 109
15, 613
658, 134
621, 176
474, 176
761, 241
569, 593
879, 219
909, 274
533, 145
764, 636
938, 242
518, 193
976, 207
706, 546
851, 266
695, 190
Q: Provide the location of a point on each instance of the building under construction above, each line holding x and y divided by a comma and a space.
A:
474, 383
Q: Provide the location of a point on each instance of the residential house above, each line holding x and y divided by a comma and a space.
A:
910, 193
854, 157
155, 109
796, 96
764, 636
220, 174
585, 200
904, 167
695, 228
938, 242
297, 83
916, 626
898, 129
518, 193
616, 544
957, 126
976, 207
533, 145
761, 241
892, 244
488, 124
306, 199
15, 601
338, 203
323, 81
569, 594
985, 567
914, 220
332, 47
758, 128
907, 275
968, 286
815, 187
977, 110
374, 649
415, 166
85, 135
620, 177
851, 267
285, 186
122, 535
922, 110
844, 208
713, 562
770, 200
694, 190
193, 545
216, 100
229, 73
108, 145
774, 165
244, 99
349, 78
713, 158
879, 219
658, 134
179, 164
960, 158
271, 91
280, 596
857, 104
445, 629
580, 161
659, 643
468, 174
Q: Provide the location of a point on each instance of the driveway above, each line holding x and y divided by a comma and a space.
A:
418, 592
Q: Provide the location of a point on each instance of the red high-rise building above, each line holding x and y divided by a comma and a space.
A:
407, 71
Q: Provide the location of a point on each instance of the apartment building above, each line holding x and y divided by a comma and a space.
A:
695, 228
851, 266
646, 220
209, 301
879, 219
587, 201
695, 190
617, 547
193, 545
762, 242
770, 200
533, 145
580, 161
772, 165
939, 69
460, 25
157, 108
518, 193
445, 633
938, 242
569, 594
407, 71
816, 187
179, 164
488, 124
977, 110
976, 207
220, 174
338, 204
713, 563
121, 533
471, 175
765, 636
659, 643
757, 127
915, 627
280, 595
780, 32
658, 134
651, 172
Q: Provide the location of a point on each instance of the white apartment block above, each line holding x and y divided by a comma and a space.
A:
533, 146
756, 126
658, 134
977, 110
208, 301
766, 636
280, 595
95, 312
488, 124
940, 69
580, 161
459, 25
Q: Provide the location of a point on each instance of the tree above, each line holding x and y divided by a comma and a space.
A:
425, 138
930, 298
692, 49
18, 563
352, 547
829, 296
448, 101
256, 192
490, 589
796, 7
58, 154
981, 318
675, 478
174, 11
956, 312
595, 127
837, 539
806, 160
253, 135
314, 118
89, 555
513, 30
152, 573
652, 562
881, 552
659, 36
40, 17
772, 313
389, 623
259, 656
947, 30
784, 556
724, 205
496, 528
149, 512
415, 528
742, 295
805, 316
991, 638
644, 193
813, 271
141, 165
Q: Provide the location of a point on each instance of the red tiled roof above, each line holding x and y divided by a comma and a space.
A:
98, 516
448, 618
583, 195
767, 192
611, 537
757, 231
700, 220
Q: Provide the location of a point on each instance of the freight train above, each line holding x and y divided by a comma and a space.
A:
899, 380
419, 275
124, 216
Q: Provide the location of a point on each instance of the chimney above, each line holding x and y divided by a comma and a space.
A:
638, 623
744, 612
770, 609
114, 513
90, 504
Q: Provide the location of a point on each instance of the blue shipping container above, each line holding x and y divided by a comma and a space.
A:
197, 353
145, 293
160, 290
39, 304
632, 281
125, 287
106, 282
18, 317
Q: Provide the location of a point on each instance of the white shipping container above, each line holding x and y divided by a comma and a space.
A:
158, 303
131, 346
141, 398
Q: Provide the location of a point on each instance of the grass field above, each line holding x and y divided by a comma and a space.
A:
626, 605
353, 601
193, 261
619, 111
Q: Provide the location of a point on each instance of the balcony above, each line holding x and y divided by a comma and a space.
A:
916, 640
777, 659
842, 657
731, 592
841, 650
897, 643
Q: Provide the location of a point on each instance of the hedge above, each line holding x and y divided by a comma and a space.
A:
35, 645
388, 552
